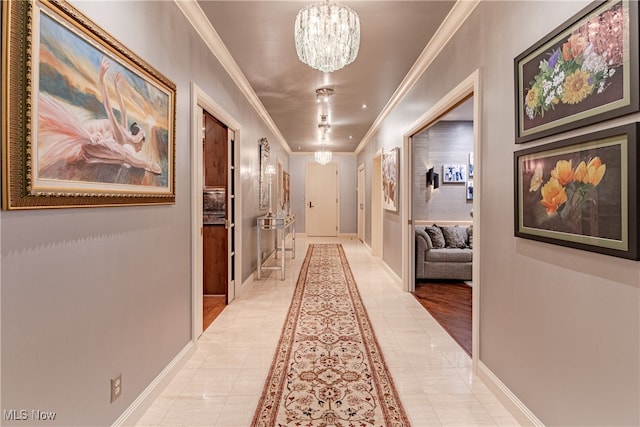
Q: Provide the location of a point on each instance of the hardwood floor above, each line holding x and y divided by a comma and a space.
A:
212, 306
450, 304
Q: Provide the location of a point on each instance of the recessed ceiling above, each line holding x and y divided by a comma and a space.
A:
259, 36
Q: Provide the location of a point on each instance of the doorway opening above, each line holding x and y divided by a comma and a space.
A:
442, 209
216, 200
216, 220
466, 96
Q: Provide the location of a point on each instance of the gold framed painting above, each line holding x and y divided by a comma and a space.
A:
85, 121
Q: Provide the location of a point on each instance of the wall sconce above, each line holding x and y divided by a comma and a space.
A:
436, 181
433, 178
430, 176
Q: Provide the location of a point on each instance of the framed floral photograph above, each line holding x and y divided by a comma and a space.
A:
390, 179
581, 192
583, 72
86, 122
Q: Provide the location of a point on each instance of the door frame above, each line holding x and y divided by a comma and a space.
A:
470, 86
362, 213
376, 206
201, 101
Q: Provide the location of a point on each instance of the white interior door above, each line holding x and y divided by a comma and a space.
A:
361, 211
322, 200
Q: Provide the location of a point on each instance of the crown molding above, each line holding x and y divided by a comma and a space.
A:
454, 20
203, 27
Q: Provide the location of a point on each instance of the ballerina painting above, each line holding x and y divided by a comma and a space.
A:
99, 121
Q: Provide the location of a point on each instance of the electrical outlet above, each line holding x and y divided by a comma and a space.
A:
116, 387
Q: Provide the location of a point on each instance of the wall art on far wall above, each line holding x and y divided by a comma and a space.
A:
452, 173
89, 122
583, 72
390, 179
581, 192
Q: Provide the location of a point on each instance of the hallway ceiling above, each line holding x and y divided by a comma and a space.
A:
259, 36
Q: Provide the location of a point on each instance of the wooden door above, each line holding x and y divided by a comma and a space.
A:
215, 240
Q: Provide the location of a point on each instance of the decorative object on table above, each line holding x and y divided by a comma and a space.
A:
86, 121
328, 369
583, 72
470, 189
265, 159
390, 179
581, 192
454, 173
327, 35
270, 172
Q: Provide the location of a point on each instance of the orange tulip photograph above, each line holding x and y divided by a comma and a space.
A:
578, 191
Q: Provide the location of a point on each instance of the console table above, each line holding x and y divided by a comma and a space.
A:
276, 223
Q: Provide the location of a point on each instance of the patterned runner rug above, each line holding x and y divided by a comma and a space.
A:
328, 369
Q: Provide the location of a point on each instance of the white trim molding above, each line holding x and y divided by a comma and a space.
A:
203, 27
514, 405
144, 401
459, 13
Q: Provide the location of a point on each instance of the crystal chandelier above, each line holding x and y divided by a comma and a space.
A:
323, 157
327, 35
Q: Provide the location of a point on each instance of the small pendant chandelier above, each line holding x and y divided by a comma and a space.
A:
327, 35
323, 157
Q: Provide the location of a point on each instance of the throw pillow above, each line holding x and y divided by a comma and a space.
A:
455, 237
435, 234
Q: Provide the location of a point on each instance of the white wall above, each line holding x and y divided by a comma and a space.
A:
90, 293
559, 327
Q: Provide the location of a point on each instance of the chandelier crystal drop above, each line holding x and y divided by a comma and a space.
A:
323, 157
327, 35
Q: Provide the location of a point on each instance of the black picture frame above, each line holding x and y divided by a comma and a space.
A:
555, 91
590, 201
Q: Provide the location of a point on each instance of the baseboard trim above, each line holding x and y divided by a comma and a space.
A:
397, 279
143, 402
514, 405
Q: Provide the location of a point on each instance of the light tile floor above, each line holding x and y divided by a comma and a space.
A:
221, 384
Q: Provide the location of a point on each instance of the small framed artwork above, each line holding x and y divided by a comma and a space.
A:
88, 122
454, 173
583, 72
286, 190
470, 165
581, 192
265, 175
390, 179
470, 189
